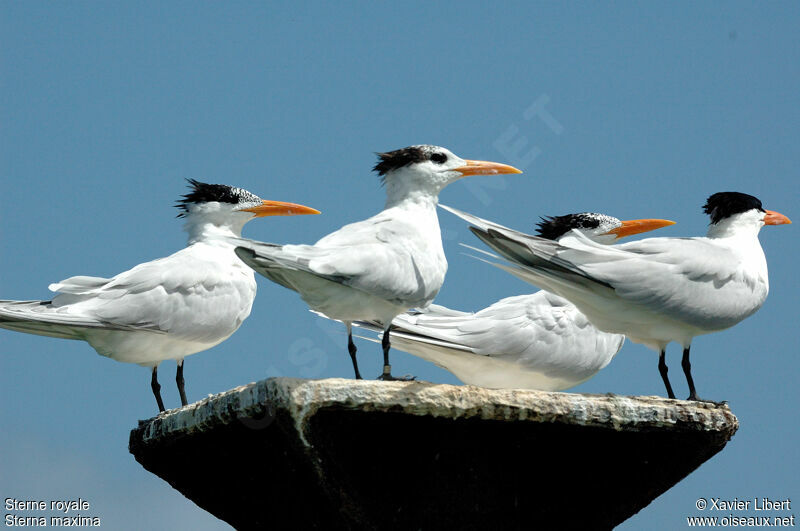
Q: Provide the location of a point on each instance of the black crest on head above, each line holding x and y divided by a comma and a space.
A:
554, 227
725, 204
393, 160
206, 193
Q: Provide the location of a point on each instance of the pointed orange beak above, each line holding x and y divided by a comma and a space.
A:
776, 218
279, 208
637, 226
482, 167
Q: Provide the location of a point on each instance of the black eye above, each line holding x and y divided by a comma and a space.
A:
438, 158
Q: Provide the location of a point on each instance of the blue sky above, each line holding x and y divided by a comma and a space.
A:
635, 110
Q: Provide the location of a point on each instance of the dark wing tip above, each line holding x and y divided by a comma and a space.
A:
245, 253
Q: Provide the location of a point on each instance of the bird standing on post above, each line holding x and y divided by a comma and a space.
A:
168, 308
380, 267
655, 290
536, 341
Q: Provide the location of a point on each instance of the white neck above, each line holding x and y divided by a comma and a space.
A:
740, 233
744, 225
407, 187
209, 224
414, 199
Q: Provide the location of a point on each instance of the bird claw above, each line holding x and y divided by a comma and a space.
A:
390, 378
696, 398
387, 376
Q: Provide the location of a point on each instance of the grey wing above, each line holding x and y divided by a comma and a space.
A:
370, 264
408, 341
689, 279
503, 328
68, 315
439, 311
562, 341
483, 224
40, 318
79, 285
534, 252
519, 247
541, 332
186, 294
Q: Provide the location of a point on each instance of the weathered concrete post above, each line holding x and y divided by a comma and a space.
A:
347, 454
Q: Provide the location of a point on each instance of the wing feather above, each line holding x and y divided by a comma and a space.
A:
363, 256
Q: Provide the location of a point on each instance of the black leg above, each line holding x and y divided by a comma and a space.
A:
180, 382
663, 369
351, 347
687, 370
156, 387
387, 368
386, 376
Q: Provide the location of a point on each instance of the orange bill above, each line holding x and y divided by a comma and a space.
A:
279, 208
637, 226
482, 167
775, 218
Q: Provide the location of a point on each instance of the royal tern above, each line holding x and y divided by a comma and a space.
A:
536, 341
168, 308
655, 290
380, 267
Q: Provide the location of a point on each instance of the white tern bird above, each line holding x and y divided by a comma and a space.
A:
537, 341
168, 308
380, 267
655, 290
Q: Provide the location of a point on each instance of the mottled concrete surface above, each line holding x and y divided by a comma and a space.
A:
345, 454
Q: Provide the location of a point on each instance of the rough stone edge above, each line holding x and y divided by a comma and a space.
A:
302, 398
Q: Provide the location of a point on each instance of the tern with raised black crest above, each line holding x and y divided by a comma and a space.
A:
171, 307
377, 268
535, 341
656, 290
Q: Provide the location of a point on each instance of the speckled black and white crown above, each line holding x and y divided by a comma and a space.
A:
725, 204
554, 227
399, 158
221, 193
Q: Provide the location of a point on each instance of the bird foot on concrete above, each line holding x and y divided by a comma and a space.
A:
696, 398
387, 376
